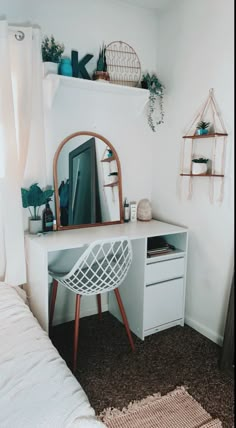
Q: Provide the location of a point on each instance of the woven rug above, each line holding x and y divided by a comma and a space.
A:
177, 409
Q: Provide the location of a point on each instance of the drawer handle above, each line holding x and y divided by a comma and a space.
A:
164, 261
166, 280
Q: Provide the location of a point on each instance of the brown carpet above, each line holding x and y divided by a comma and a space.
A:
177, 409
112, 375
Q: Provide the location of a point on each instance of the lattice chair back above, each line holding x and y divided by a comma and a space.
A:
101, 268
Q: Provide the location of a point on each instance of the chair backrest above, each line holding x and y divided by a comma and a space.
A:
102, 267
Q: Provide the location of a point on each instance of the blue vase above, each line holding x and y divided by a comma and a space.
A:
202, 131
65, 67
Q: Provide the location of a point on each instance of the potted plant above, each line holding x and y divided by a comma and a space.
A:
202, 127
156, 90
101, 72
35, 197
109, 153
51, 54
113, 177
199, 166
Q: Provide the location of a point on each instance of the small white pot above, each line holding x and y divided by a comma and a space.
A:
199, 168
113, 178
50, 68
35, 226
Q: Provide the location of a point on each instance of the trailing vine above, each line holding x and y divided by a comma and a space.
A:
156, 92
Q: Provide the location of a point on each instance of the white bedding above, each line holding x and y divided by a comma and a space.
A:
36, 387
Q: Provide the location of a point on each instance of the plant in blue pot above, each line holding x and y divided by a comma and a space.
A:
65, 67
202, 127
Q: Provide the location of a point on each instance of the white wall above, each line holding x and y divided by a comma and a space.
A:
196, 54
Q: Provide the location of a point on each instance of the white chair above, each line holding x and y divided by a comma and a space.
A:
101, 268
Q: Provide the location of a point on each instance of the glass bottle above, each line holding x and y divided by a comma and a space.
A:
47, 218
126, 211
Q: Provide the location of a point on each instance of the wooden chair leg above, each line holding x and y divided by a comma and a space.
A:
123, 314
53, 302
76, 333
99, 302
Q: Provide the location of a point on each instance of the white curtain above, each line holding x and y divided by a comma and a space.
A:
22, 151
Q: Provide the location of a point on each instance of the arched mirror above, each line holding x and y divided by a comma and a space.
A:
87, 182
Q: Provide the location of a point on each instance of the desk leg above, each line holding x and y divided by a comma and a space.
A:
37, 281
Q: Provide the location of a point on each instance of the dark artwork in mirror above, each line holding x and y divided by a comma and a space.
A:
87, 180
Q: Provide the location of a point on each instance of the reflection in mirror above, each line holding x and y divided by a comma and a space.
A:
87, 181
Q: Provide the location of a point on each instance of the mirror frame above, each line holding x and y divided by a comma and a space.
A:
55, 180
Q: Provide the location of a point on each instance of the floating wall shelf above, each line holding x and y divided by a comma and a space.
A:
111, 184
52, 82
217, 133
108, 159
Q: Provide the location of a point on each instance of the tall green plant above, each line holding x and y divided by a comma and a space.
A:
101, 62
156, 92
35, 197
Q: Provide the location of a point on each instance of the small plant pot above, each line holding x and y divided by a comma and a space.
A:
202, 131
113, 178
101, 75
199, 168
35, 226
144, 84
50, 68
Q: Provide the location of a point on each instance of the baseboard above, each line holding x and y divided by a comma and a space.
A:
84, 313
216, 338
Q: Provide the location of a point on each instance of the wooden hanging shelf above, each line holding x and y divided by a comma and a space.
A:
202, 175
111, 184
109, 159
216, 134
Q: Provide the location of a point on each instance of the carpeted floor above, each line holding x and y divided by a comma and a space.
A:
112, 375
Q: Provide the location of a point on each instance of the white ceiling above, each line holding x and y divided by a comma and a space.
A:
150, 4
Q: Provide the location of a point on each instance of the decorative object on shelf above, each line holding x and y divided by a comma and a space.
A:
78, 67
101, 72
51, 54
202, 127
217, 136
126, 211
113, 177
199, 166
144, 210
109, 153
133, 211
65, 67
123, 64
156, 91
47, 217
35, 197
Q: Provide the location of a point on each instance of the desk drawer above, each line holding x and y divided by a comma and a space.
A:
164, 270
163, 303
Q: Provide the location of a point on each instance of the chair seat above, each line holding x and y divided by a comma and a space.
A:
96, 273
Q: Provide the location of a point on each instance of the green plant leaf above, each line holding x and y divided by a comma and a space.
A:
24, 196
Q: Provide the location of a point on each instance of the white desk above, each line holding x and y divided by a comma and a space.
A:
139, 295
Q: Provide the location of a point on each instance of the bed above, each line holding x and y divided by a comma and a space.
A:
36, 387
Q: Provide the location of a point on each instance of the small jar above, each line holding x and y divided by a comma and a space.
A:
65, 67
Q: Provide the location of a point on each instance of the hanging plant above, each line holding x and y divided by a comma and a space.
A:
156, 91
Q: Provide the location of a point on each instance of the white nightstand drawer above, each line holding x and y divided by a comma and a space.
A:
163, 303
164, 270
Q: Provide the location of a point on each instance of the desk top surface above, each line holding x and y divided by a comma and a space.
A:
74, 238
